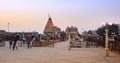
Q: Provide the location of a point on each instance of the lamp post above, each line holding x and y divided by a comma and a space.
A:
106, 40
55, 33
53, 38
8, 26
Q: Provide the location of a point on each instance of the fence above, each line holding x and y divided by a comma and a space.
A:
113, 45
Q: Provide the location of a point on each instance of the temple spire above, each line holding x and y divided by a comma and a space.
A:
49, 15
49, 26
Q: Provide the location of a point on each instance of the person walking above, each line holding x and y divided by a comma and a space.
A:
28, 40
10, 43
24, 40
31, 43
14, 44
28, 43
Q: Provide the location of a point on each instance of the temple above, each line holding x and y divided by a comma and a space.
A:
50, 28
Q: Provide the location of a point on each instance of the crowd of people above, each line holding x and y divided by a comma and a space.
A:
15, 41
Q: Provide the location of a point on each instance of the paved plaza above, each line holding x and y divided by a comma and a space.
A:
57, 54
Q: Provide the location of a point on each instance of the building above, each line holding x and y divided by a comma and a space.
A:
52, 30
5, 35
73, 31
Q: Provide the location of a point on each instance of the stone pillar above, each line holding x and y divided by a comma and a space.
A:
69, 45
106, 41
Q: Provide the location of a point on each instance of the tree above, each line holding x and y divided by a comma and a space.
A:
101, 31
112, 29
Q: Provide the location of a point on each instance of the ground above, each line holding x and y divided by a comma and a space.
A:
57, 54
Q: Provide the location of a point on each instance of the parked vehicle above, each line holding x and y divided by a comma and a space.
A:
111, 39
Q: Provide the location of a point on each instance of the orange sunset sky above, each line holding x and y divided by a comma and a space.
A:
32, 15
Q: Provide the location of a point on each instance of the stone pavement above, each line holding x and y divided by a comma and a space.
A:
57, 54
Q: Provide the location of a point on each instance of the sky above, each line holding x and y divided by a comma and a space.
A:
32, 15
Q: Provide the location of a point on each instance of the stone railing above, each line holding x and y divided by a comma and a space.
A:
44, 43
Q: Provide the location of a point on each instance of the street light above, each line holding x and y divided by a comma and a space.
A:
106, 40
8, 27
